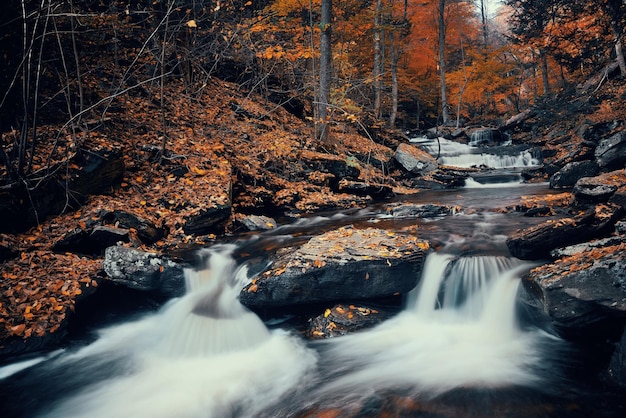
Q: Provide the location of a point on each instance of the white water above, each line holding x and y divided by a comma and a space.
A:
461, 155
468, 338
204, 355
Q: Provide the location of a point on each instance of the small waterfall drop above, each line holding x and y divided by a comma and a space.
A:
468, 155
203, 356
459, 330
210, 320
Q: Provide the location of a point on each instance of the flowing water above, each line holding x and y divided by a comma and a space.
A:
459, 348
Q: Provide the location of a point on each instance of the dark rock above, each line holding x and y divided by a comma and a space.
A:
106, 236
343, 319
537, 242
582, 291
586, 247
411, 210
7, 253
206, 221
326, 163
342, 264
611, 152
255, 222
572, 172
23, 206
144, 271
593, 190
414, 160
617, 366
361, 188
539, 211
147, 231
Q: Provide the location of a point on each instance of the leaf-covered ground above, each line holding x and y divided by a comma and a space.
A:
224, 149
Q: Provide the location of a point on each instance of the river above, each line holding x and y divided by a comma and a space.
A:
461, 346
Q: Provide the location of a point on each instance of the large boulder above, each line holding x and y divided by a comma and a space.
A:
343, 264
593, 190
583, 290
611, 152
415, 160
538, 241
568, 175
145, 271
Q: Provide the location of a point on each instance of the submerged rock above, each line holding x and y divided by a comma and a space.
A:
346, 263
343, 319
412, 210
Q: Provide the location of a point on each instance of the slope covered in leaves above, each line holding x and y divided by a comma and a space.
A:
224, 150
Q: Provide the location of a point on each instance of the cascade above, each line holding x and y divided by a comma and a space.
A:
461, 155
203, 355
459, 330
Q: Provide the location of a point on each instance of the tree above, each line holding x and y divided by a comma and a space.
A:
325, 67
442, 60
529, 22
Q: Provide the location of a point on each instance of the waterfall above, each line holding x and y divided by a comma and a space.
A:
459, 330
204, 355
461, 155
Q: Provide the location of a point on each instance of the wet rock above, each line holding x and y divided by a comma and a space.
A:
611, 152
414, 159
146, 230
326, 163
536, 242
23, 206
593, 190
586, 246
583, 291
255, 222
361, 188
568, 175
346, 263
208, 220
411, 210
343, 319
144, 271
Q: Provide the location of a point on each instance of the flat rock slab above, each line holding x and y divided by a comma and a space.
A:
537, 242
346, 263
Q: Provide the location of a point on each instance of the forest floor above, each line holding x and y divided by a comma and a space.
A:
223, 147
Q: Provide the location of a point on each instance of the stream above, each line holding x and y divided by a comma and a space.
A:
461, 345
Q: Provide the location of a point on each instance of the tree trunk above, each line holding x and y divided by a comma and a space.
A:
442, 61
619, 52
544, 71
325, 68
377, 59
394, 82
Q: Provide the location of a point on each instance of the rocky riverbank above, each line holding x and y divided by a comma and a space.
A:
132, 215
